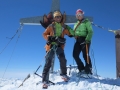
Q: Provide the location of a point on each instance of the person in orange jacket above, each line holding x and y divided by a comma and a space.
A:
54, 34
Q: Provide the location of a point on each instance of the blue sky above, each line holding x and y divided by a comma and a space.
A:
30, 52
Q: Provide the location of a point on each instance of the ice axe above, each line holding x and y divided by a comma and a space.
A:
28, 76
87, 53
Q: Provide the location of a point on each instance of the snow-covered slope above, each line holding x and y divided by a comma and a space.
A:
75, 83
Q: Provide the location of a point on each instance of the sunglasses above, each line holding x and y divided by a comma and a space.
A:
79, 15
57, 16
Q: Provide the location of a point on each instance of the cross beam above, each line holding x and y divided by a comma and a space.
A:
70, 19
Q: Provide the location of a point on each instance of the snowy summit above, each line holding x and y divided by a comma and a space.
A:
75, 83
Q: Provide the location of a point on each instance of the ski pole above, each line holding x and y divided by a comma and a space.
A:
42, 77
87, 53
39, 65
38, 68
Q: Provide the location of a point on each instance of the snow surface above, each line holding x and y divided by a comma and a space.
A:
75, 83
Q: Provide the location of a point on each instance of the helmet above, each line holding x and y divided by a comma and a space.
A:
79, 10
57, 13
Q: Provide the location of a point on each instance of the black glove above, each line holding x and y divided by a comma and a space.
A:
51, 38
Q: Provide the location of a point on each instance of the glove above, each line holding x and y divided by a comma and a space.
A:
51, 38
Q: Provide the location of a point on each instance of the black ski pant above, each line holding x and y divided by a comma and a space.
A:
49, 57
78, 48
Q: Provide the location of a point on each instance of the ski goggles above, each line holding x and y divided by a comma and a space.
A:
57, 16
79, 15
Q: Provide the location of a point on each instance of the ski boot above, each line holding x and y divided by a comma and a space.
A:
45, 85
65, 78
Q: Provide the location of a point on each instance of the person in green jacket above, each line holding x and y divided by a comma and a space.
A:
83, 33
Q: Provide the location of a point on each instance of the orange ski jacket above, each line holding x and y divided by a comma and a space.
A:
50, 32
